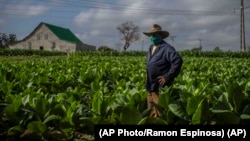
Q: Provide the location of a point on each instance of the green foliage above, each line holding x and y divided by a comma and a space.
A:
104, 48
106, 51
6, 40
59, 98
26, 52
217, 49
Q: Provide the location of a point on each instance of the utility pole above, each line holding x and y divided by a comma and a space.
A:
142, 44
242, 27
200, 44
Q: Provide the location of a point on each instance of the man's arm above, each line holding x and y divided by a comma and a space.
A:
176, 64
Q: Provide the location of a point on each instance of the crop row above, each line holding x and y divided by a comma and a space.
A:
184, 53
56, 99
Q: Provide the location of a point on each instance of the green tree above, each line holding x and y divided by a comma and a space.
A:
196, 49
105, 48
6, 40
216, 49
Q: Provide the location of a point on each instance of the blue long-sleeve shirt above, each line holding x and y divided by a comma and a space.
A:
166, 62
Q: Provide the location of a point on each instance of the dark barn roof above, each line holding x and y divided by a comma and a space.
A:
63, 34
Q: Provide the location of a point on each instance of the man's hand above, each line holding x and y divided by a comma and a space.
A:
161, 80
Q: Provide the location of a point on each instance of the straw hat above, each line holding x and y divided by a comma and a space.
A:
157, 29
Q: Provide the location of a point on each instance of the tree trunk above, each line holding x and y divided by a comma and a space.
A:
125, 47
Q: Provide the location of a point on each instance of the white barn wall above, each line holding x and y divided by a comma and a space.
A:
38, 39
45, 38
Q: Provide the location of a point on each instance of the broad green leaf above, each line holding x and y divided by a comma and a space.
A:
68, 132
6, 87
222, 103
89, 122
29, 85
143, 121
70, 114
37, 127
247, 88
225, 117
202, 113
164, 100
42, 106
179, 111
106, 108
65, 123
25, 100
246, 109
97, 103
193, 103
246, 112
146, 112
94, 86
15, 131
184, 95
236, 96
108, 121
130, 115
52, 117
12, 110
149, 121
245, 116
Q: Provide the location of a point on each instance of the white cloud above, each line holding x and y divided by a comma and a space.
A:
84, 18
95, 23
25, 10
187, 20
36, 10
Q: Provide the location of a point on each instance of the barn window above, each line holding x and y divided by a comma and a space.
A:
29, 44
53, 46
46, 36
38, 36
41, 47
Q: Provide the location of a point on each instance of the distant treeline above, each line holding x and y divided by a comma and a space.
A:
186, 53
28, 52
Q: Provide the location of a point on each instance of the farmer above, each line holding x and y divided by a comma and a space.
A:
163, 65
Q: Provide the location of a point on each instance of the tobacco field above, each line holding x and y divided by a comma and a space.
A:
63, 98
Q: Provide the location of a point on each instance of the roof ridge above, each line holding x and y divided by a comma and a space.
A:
63, 33
54, 25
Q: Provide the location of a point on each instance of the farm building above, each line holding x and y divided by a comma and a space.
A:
52, 38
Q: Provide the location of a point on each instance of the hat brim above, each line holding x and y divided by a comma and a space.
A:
164, 34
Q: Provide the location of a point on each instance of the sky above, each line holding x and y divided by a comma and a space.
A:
191, 23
